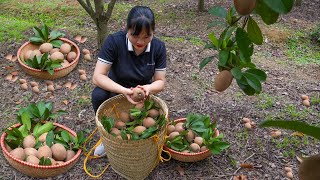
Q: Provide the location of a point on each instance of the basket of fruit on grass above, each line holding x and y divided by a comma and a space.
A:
47, 55
40, 148
133, 135
193, 138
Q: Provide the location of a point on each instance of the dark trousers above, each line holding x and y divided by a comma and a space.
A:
98, 96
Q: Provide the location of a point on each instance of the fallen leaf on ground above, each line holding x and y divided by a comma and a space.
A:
85, 97
67, 85
77, 38
240, 177
66, 102
246, 165
9, 56
297, 134
14, 78
73, 86
14, 73
83, 39
180, 170
300, 159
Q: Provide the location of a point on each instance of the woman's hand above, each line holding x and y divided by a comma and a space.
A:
146, 89
127, 92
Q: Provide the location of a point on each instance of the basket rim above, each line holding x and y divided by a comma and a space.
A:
57, 69
181, 153
76, 156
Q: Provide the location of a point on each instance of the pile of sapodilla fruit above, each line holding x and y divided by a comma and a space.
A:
63, 53
57, 153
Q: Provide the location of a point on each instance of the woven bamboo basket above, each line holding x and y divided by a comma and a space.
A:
132, 159
58, 73
39, 171
188, 157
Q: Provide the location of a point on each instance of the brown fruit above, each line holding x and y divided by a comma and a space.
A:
223, 80
54, 50
53, 162
45, 47
244, 7
59, 162
248, 126
115, 131
83, 77
185, 151
81, 71
306, 102
65, 63
33, 160
153, 113
22, 81
275, 134
309, 168
179, 128
173, 135
170, 128
59, 152
50, 88
44, 151
43, 136
289, 175
71, 56
70, 155
18, 153
138, 94
8, 148
148, 122
87, 57
139, 129
57, 55
24, 86
194, 147
65, 48
27, 55
35, 89
120, 124
139, 106
190, 135
35, 53
304, 97
124, 116
203, 148
49, 83
246, 120
29, 142
85, 51
198, 140
34, 84
288, 169
30, 151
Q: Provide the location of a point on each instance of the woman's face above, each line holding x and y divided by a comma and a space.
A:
140, 41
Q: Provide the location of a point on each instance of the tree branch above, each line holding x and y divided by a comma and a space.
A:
98, 4
110, 8
87, 7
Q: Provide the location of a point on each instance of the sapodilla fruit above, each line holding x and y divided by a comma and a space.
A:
244, 7
223, 80
45, 47
138, 94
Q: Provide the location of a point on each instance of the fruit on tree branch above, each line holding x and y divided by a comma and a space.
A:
244, 7
223, 80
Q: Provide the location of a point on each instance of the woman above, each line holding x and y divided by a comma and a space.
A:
128, 59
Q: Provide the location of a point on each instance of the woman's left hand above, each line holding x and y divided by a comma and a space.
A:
146, 89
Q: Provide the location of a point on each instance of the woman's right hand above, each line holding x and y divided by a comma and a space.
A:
127, 92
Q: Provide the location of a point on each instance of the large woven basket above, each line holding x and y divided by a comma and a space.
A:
39, 171
58, 73
132, 159
188, 157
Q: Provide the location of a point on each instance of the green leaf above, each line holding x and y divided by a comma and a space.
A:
134, 136
24, 131
254, 32
148, 132
65, 135
36, 128
45, 32
41, 107
56, 43
213, 40
253, 82
215, 23
55, 34
40, 33
259, 74
148, 105
267, 14
244, 43
26, 120
218, 147
218, 11
36, 40
205, 61
123, 135
236, 72
49, 138
223, 57
45, 161
107, 123
280, 6
179, 147
295, 126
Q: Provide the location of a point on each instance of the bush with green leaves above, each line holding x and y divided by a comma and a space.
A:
44, 35
241, 33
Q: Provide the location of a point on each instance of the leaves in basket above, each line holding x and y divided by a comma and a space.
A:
107, 123
45, 161
49, 138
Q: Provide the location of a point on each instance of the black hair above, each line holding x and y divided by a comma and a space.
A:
140, 18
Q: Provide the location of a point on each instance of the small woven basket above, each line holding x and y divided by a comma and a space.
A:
188, 157
39, 171
132, 159
58, 73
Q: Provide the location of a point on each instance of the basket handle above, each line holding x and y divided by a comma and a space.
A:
88, 156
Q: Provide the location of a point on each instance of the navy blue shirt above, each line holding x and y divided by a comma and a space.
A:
128, 69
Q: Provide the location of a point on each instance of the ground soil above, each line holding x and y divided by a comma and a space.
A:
190, 90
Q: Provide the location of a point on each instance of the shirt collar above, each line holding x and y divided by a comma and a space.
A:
130, 47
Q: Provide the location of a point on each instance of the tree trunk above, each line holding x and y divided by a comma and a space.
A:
102, 32
201, 5
99, 16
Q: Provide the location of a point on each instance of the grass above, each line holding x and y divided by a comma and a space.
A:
265, 101
315, 100
301, 49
